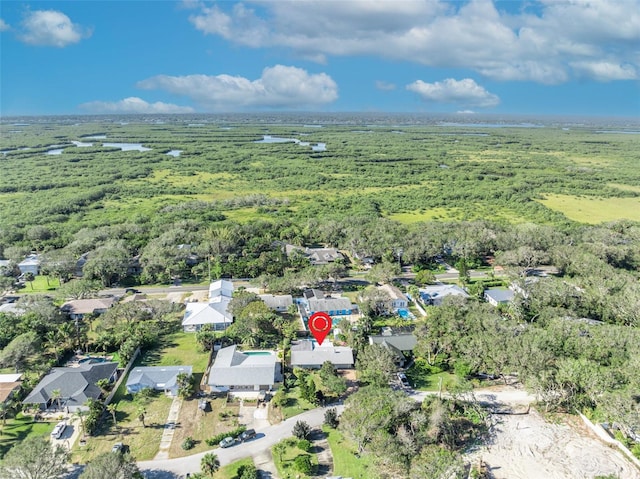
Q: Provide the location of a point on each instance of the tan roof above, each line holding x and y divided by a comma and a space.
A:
87, 306
6, 389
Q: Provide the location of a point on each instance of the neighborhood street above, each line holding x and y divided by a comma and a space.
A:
266, 437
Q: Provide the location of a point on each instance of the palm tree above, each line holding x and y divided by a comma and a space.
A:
4, 410
29, 277
80, 414
52, 338
56, 395
112, 409
209, 464
66, 333
141, 416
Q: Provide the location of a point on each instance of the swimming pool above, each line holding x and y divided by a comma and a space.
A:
92, 360
405, 314
258, 353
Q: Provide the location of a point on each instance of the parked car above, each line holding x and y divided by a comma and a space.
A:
227, 442
118, 447
402, 377
58, 430
248, 434
131, 291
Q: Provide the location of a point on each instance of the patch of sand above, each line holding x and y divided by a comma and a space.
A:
527, 446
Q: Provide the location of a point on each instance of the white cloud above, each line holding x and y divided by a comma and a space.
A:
279, 87
541, 47
4, 26
466, 112
605, 71
134, 105
385, 86
51, 28
464, 92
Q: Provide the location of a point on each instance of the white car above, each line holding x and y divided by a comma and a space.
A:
58, 430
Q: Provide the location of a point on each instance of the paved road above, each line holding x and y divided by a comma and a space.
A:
265, 438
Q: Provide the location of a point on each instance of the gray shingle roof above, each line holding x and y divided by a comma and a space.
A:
337, 355
499, 295
157, 376
403, 342
76, 385
234, 368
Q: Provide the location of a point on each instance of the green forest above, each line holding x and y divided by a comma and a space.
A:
564, 196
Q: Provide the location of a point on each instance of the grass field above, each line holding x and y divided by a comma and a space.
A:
295, 404
426, 378
41, 284
230, 471
143, 442
428, 215
594, 210
285, 465
18, 429
345, 461
180, 349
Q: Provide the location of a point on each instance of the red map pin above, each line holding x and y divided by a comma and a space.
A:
320, 325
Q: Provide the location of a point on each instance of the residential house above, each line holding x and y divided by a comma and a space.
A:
496, 296
215, 312
397, 299
434, 295
75, 384
31, 264
235, 371
221, 288
160, 378
309, 355
79, 308
8, 384
317, 301
400, 345
278, 303
317, 256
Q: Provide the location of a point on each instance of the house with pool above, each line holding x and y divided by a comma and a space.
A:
244, 373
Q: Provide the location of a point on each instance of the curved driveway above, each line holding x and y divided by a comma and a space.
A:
266, 437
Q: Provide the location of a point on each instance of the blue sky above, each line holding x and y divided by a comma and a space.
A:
549, 57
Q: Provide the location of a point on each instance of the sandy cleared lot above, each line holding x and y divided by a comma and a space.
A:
527, 447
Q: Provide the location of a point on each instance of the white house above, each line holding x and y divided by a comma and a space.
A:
279, 303
497, 296
160, 378
397, 300
31, 264
434, 295
215, 312
309, 355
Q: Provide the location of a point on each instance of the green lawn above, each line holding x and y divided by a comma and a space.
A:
143, 442
41, 284
180, 349
285, 466
345, 461
594, 209
425, 378
295, 404
230, 471
18, 429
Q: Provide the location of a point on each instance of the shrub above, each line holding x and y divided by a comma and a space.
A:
215, 440
301, 430
188, 443
304, 445
247, 471
302, 463
331, 418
